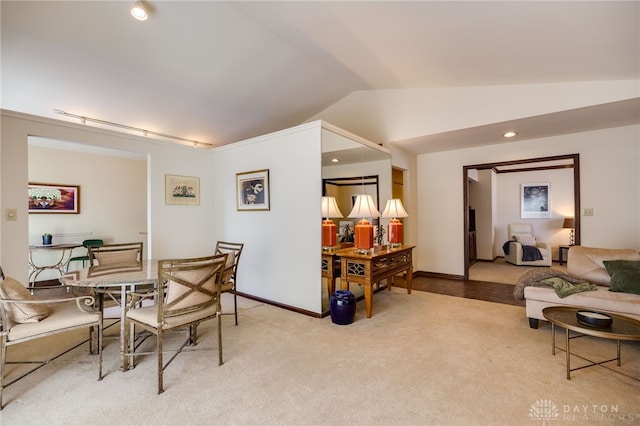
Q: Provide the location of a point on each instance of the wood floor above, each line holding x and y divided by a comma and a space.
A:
480, 290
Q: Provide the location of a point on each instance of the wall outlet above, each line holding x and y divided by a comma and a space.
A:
587, 212
11, 214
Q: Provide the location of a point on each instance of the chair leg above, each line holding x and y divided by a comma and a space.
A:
235, 306
3, 357
193, 334
160, 367
220, 361
99, 343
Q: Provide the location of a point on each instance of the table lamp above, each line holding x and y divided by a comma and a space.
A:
364, 208
329, 229
394, 209
570, 223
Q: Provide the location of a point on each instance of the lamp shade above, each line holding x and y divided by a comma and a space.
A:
569, 222
364, 207
394, 209
330, 208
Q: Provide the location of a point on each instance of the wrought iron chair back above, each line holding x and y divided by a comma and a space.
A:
229, 283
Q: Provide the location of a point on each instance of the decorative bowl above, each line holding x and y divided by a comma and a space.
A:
594, 319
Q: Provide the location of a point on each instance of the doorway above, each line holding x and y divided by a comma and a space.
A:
570, 161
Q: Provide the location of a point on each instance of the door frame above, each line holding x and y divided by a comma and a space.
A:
530, 164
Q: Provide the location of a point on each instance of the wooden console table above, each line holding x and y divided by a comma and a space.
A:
330, 270
331, 265
371, 268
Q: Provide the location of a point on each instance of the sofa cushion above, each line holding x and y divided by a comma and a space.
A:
21, 312
625, 275
601, 300
587, 262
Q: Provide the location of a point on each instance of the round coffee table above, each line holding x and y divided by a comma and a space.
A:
622, 328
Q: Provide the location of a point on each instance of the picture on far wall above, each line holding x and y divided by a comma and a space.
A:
53, 198
181, 190
252, 190
535, 199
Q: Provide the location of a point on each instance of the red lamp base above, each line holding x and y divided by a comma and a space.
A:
328, 233
394, 232
364, 235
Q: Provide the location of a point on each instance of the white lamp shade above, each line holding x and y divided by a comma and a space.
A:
364, 207
394, 208
330, 208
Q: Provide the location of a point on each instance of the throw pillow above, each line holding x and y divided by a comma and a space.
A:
625, 275
21, 312
525, 239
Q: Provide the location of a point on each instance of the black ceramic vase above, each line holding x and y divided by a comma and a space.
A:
343, 307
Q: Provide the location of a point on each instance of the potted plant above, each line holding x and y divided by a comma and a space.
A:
46, 239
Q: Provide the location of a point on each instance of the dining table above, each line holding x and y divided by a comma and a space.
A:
63, 254
116, 282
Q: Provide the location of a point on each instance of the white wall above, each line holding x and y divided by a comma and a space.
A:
173, 230
545, 230
482, 198
281, 258
113, 199
609, 184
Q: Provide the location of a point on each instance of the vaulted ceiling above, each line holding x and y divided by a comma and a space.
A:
220, 72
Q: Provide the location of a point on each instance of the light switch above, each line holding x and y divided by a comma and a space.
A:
588, 212
11, 214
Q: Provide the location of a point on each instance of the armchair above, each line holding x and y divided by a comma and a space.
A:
26, 317
519, 235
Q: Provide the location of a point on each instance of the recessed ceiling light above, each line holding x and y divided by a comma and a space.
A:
139, 11
509, 134
335, 160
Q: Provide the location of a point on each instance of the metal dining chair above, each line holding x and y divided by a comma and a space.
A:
84, 259
189, 296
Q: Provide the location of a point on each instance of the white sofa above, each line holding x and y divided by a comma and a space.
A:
517, 234
586, 263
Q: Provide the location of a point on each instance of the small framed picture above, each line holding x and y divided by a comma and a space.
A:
51, 198
252, 190
181, 190
535, 200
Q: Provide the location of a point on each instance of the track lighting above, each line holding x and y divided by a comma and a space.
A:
139, 11
144, 132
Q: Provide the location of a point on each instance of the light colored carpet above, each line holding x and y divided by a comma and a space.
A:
421, 359
501, 271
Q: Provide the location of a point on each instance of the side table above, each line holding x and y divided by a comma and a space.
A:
560, 256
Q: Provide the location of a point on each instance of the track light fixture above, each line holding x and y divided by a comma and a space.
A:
139, 11
146, 133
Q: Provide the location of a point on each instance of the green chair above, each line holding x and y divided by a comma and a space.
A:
85, 258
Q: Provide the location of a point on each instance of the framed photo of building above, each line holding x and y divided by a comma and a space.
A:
535, 200
252, 190
181, 190
53, 198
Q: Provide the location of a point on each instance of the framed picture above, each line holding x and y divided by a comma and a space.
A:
535, 200
346, 231
181, 190
51, 198
252, 190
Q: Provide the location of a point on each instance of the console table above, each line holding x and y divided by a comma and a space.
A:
374, 266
